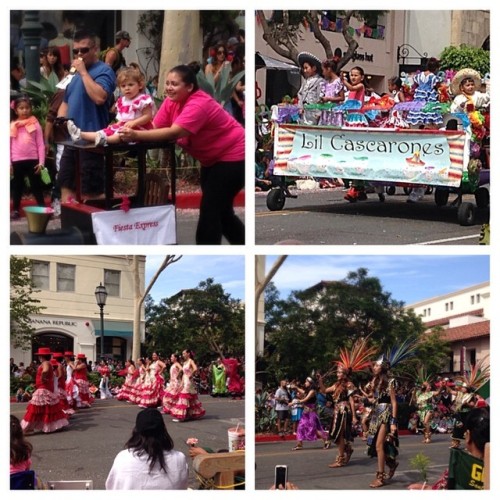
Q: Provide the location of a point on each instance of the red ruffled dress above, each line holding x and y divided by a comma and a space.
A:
84, 399
151, 392
44, 412
127, 389
173, 388
60, 390
187, 407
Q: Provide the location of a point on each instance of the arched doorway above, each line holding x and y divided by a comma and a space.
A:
58, 342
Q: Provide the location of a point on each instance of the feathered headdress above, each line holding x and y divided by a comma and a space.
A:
421, 375
398, 353
357, 358
477, 376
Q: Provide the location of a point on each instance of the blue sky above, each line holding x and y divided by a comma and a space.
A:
409, 278
228, 270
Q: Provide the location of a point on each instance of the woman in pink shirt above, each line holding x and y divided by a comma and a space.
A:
200, 125
27, 152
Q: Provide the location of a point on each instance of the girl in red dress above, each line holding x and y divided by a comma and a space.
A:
84, 399
44, 412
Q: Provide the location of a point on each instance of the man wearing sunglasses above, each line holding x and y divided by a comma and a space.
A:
87, 101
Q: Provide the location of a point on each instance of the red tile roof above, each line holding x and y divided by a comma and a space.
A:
445, 321
467, 332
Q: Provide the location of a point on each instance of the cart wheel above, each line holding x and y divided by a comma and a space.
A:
441, 197
390, 190
275, 199
407, 190
466, 214
429, 190
482, 196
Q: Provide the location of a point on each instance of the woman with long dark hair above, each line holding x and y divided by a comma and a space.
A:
200, 126
149, 461
187, 406
309, 428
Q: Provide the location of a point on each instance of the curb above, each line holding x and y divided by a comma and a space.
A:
183, 201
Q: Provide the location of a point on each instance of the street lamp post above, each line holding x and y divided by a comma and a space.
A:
101, 295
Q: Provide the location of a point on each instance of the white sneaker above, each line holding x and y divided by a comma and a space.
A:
56, 206
100, 138
74, 131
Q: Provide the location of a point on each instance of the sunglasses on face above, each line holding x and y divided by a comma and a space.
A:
221, 52
81, 50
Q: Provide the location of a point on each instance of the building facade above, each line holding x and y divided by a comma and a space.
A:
464, 317
400, 40
70, 319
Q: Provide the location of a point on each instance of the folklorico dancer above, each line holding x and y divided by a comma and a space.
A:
151, 391
465, 399
187, 407
131, 377
70, 386
382, 440
44, 411
344, 412
424, 398
60, 382
174, 384
84, 398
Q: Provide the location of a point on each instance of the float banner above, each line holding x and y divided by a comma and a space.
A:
138, 226
370, 154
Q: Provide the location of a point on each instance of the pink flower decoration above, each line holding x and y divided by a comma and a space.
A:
125, 204
191, 441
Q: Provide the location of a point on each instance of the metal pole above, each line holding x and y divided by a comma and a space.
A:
102, 331
31, 30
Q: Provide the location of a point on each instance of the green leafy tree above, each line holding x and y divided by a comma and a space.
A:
204, 319
465, 56
307, 331
283, 31
22, 303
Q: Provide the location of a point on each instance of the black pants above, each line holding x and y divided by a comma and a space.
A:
22, 169
92, 172
220, 184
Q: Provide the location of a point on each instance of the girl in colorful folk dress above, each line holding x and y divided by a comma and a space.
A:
188, 407
310, 90
332, 90
135, 110
70, 386
152, 388
44, 412
84, 399
60, 382
174, 384
132, 375
424, 396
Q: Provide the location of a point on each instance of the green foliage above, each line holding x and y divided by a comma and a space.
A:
307, 330
265, 416
421, 462
41, 94
222, 89
22, 303
204, 319
465, 56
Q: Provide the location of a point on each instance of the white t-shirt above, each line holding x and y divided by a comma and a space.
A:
131, 472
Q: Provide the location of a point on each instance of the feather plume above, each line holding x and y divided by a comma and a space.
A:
358, 357
477, 375
402, 352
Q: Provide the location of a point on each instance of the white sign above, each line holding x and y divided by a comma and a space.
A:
138, 226
410, 156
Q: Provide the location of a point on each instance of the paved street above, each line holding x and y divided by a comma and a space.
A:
308, 468
323, 217
187, 220
86, 449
